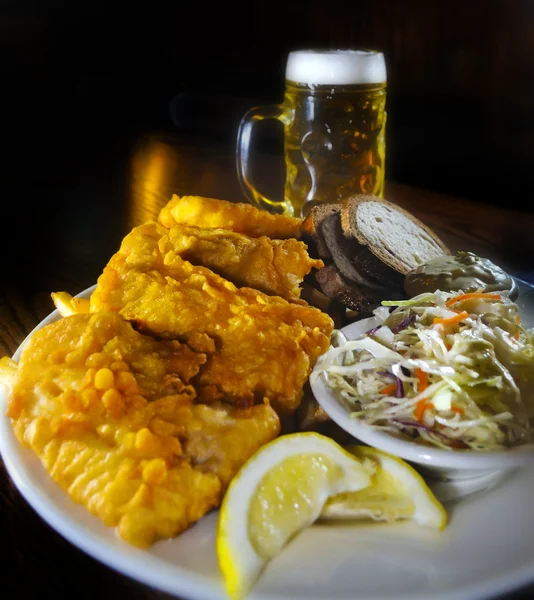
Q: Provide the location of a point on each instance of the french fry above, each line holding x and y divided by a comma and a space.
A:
67, 305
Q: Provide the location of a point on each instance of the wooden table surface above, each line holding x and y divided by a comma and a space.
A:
65, 219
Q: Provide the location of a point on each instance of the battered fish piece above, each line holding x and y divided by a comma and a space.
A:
265, 346
242, 218
275, 267
106, 409
219, 436
110, 414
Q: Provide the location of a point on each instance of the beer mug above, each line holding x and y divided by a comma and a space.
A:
334, 120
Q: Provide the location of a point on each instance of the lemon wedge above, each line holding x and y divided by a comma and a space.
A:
280, 490
397, 492
67, 305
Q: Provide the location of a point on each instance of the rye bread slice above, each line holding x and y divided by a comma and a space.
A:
348, 293
392, 234
310, 227
355, 262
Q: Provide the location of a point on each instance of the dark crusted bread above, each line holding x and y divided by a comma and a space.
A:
368, 244
355, 262
311, 224
312, 294
348, 293
391, 234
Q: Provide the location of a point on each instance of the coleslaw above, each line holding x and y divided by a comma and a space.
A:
450, 369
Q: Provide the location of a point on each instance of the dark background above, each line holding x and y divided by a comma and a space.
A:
460, 98
82, 83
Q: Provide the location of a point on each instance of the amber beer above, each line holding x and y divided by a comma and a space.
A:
334, 116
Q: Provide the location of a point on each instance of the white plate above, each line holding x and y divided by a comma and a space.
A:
487, 549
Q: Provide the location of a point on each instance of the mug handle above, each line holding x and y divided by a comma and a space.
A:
244, 134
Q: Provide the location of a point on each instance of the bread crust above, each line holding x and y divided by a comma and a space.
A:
310, 228
358, 274
354, 261
351, 230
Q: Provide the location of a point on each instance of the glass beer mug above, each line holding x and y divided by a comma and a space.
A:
334, 120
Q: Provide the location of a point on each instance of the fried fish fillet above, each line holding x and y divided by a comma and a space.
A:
243, 218
219, 436
108, 411
265, 346
275, 267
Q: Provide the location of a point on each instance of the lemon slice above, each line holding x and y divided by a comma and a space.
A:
279, 491
67, 305
397, 492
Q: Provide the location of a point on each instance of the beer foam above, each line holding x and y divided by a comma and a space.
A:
342, 67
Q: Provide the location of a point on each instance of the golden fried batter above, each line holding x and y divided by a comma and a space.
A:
218, 436
241, 218
276, 267
108, 410
265, 346
147, 432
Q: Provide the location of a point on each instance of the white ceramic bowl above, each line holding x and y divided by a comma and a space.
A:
437, 462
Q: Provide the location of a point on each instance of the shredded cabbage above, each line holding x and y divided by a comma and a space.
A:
461, 385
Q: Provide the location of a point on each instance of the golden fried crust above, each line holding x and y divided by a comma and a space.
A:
220, 438
265, 346
8, 370
107, 411
275, 267
235, 216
